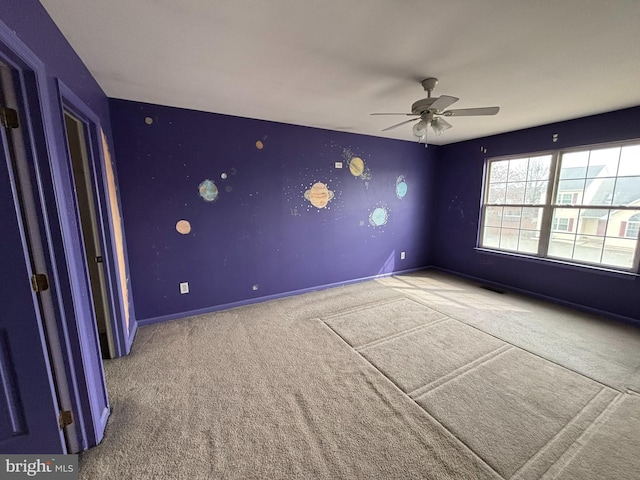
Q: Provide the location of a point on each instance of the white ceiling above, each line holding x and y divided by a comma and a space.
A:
330, 63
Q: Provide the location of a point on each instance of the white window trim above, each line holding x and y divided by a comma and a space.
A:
548, 209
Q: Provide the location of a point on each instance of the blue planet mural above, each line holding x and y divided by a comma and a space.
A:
378, 217
208, 191
401, 187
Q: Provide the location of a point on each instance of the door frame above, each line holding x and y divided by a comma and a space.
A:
97, 159
78, 353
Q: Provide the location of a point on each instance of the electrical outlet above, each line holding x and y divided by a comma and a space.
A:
184, 287
338, 165
402, 255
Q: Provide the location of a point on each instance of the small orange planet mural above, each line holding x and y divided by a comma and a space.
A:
259, 145
183, 227
319, 195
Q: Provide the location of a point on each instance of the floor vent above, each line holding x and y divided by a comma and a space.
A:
492, 289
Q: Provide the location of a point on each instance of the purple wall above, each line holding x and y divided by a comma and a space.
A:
32, 24
261, 236
34, 37
459, 170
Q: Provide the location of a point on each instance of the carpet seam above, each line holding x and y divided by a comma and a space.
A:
459, 372
365, 306
602, 392
563, 461
395, 386
403, 333
618, 389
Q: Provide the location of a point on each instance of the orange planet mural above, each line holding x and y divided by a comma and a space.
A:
319, 195
183, 227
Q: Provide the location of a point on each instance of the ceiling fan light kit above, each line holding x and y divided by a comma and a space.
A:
420, 128
430, 110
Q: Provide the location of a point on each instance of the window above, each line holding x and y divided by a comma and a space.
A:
580, 206
566, 198
632, 226
562, 224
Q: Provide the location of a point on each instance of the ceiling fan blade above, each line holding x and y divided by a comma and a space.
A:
466, 112
392, 114
443, 102
398, 124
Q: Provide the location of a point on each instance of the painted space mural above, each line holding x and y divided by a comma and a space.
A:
279, 208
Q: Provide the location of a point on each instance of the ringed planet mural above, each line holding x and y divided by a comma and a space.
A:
356, 164
319, 195
208, 191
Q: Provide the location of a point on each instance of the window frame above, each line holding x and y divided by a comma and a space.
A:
551, 204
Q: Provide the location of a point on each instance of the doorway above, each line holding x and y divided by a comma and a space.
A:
84, 180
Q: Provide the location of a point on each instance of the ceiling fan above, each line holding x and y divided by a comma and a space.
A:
430, 111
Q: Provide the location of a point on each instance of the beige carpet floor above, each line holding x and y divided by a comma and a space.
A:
378, 380
602, 349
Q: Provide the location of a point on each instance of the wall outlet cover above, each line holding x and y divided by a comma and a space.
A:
184, 287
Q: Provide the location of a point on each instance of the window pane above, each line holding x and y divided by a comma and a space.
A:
565, 219
509, 238
619, 252
518, 169
515, 192
588, 249
539, 168
570, 192
536, 192
627, 191
491, 237
593, 221
528, 242
511, 217
497, 193
531, 219
629, 161
574, 165
493, 217
561, 245
603, 163
599, 191
499, 171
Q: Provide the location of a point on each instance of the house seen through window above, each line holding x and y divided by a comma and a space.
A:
580, 206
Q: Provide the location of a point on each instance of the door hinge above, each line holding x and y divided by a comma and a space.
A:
9, 117
99, 259
65, 418
39, 282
